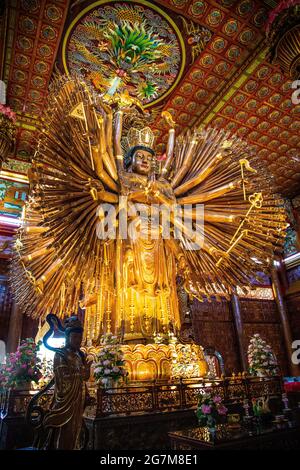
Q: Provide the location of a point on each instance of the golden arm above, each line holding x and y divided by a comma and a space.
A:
117, 140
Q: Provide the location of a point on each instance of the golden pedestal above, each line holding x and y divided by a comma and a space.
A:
148, 362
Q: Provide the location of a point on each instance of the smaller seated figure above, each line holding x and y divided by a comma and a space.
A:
61, 426
215, 363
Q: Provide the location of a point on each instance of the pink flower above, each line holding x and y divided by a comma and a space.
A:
30, 371
6, 111
222, 410
24, 366
206, 409
217, 399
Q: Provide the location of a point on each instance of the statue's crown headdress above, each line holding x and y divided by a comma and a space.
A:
136, 137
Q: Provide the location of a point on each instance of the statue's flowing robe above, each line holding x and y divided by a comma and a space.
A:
148, 277
63, 422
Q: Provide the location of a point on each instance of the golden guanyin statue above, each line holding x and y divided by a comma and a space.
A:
148, 270
88, 236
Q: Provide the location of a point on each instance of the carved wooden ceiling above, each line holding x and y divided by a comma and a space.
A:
228, 84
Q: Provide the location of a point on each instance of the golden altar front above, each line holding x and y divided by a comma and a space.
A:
162, 362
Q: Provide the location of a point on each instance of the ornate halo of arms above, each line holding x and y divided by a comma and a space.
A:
79, 164
243, 222
74, 170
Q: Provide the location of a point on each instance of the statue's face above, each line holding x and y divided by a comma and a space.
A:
141, 162
74, 340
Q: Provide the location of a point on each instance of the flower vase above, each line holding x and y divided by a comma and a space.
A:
111, 383
212, 433
212, 428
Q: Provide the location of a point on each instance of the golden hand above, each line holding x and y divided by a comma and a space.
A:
168, 118
217, 252
152, 189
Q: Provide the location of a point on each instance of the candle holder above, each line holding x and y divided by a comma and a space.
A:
285, 401
246, 407
248, 422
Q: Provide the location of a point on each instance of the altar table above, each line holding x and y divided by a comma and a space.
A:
197, 438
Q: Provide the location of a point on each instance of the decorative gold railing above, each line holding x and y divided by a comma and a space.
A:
180, 395
151, 397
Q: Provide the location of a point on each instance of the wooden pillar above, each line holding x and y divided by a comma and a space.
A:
236, 308
14, 329
283, 313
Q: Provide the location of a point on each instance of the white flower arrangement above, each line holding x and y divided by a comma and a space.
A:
261, 357
110, 363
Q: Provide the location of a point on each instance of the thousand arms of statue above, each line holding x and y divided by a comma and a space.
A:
87, 157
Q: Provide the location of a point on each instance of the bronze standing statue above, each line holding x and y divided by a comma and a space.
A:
62, 427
